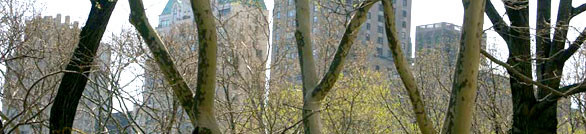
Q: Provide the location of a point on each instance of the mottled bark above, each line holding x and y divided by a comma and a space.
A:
164, 61
311, 120
75, 79
402, 66
461, 107
199, 108
313, 92
206, 67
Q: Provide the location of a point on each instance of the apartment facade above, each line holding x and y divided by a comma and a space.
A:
442, 37
30, 85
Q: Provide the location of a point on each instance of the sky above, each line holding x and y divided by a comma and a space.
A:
423, 12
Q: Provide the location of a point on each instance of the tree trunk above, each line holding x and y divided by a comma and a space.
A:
73, 83
529, 115
180, 88
206, 67
402, 66
314, 93
201, 108
311, 120
461, 106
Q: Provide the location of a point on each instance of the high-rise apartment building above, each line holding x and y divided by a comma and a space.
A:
327, 28
30, 82
442, 37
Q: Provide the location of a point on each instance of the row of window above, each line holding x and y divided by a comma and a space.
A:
380, 29
381, 19
380, 39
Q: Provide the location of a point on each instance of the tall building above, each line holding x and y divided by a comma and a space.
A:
442, 37
327, 29
30, 85
242, 48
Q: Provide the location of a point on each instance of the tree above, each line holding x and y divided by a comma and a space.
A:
200, 108
536, 114
459, 115
314, 92
73, 83
462, 101
402, 67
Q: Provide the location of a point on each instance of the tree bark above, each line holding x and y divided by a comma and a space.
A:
530, 115
311, 120
199, 108
75, 79
161, 55
402, 66
206, 67
461, 106
313, 92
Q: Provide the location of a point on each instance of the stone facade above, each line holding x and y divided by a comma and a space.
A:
32, 77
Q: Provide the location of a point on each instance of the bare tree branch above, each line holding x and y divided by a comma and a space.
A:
566, 54
578, 10
514, 71
500, 26
180, 88
402, 66
348, 39
574, 88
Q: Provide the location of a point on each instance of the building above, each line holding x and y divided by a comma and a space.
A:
31, 82
442, 37
119, 124
242, 51
327, 32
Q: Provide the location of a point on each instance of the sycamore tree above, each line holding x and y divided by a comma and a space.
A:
462, 100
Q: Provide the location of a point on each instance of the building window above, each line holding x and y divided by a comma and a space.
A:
368, 15
377, 68
404, 24
367, 36
224, 12
314, 19
291, 13
277, 37
278, 14
379, 29
404, 13
379, 51
223, 1
367, 26
379, 40
380, 18
405, 3
380, 8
